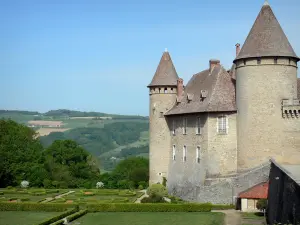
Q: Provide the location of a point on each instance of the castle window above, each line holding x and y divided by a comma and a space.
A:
198, 125
173, 127
174, 152
184, 153
258, 61
161, 114
159, 90
275, 61
198, 154
184, 125
244, 62
222, 125
166, 90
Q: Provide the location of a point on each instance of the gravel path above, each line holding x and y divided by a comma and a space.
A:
232, 217
58, 196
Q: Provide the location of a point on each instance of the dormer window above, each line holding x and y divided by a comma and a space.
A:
259, 61
166, 90
190, 97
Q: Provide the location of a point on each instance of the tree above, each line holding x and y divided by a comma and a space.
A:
135, 169
20, 151
262, 205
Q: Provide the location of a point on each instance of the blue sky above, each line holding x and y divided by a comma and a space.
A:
100, 55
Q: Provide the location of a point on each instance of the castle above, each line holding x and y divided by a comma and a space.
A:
213, 137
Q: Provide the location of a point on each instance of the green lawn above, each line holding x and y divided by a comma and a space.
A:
253, 219
24, 218
151, 219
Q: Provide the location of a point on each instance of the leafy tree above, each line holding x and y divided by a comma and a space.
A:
262, 205
157, 190
20, 151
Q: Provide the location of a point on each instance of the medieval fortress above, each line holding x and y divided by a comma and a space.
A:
213, 137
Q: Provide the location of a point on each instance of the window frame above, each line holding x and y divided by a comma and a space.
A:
198, 126
184, 125
174, 152
223, 129
184, 153
173, 127
198, 151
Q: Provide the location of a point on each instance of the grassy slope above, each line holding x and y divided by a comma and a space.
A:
151, 219
24, 218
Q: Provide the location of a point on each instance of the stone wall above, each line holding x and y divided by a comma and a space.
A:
190, 170
221, 190
159, 134
222, 148
260, 88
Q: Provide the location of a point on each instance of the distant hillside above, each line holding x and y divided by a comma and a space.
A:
61, 114
110, 137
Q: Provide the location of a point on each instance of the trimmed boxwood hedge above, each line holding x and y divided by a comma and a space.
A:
58, 217
163, 207
32, 206
222, 207
71, 217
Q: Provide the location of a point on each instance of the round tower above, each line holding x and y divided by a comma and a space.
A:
266, 74
162, 91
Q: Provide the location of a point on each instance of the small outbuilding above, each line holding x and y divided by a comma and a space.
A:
284, 194
249, 198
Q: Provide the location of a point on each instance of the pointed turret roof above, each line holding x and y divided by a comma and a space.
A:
165, 74
266, 37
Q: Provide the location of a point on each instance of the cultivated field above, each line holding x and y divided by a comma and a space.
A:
24, 218
149, 218
47, 131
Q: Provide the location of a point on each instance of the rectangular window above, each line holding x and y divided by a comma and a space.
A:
222, 125
174, 127
198, 154
161, 114
184, 153
198, 126
174, 152
184, 125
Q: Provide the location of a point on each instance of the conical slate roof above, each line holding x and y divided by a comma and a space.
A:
266, 38
165, 74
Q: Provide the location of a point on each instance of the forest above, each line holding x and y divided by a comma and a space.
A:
62, 164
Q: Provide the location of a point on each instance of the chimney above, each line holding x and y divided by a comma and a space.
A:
237, 49
213, 63
179, 89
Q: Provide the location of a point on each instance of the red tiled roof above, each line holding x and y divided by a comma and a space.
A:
257, 191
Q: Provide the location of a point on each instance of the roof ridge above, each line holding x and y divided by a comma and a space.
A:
214, 84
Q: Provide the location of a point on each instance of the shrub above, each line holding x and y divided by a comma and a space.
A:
175, 199
1, 193
9, 187
140, 187
25, 199
143, 183
52, 191
72, 217
31, 206
153, 199
164, 181
262, 204
148, 207
157, 189
24, 184
127, 193
222, 207
58, 217
100, 184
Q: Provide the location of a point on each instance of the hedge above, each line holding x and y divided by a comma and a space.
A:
71, 217
58, 217
32, 206
222, 207
148, 207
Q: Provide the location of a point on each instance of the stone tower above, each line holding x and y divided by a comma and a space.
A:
266, 74
163, 92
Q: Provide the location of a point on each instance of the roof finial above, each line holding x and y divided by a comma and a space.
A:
266, 2
166, 50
